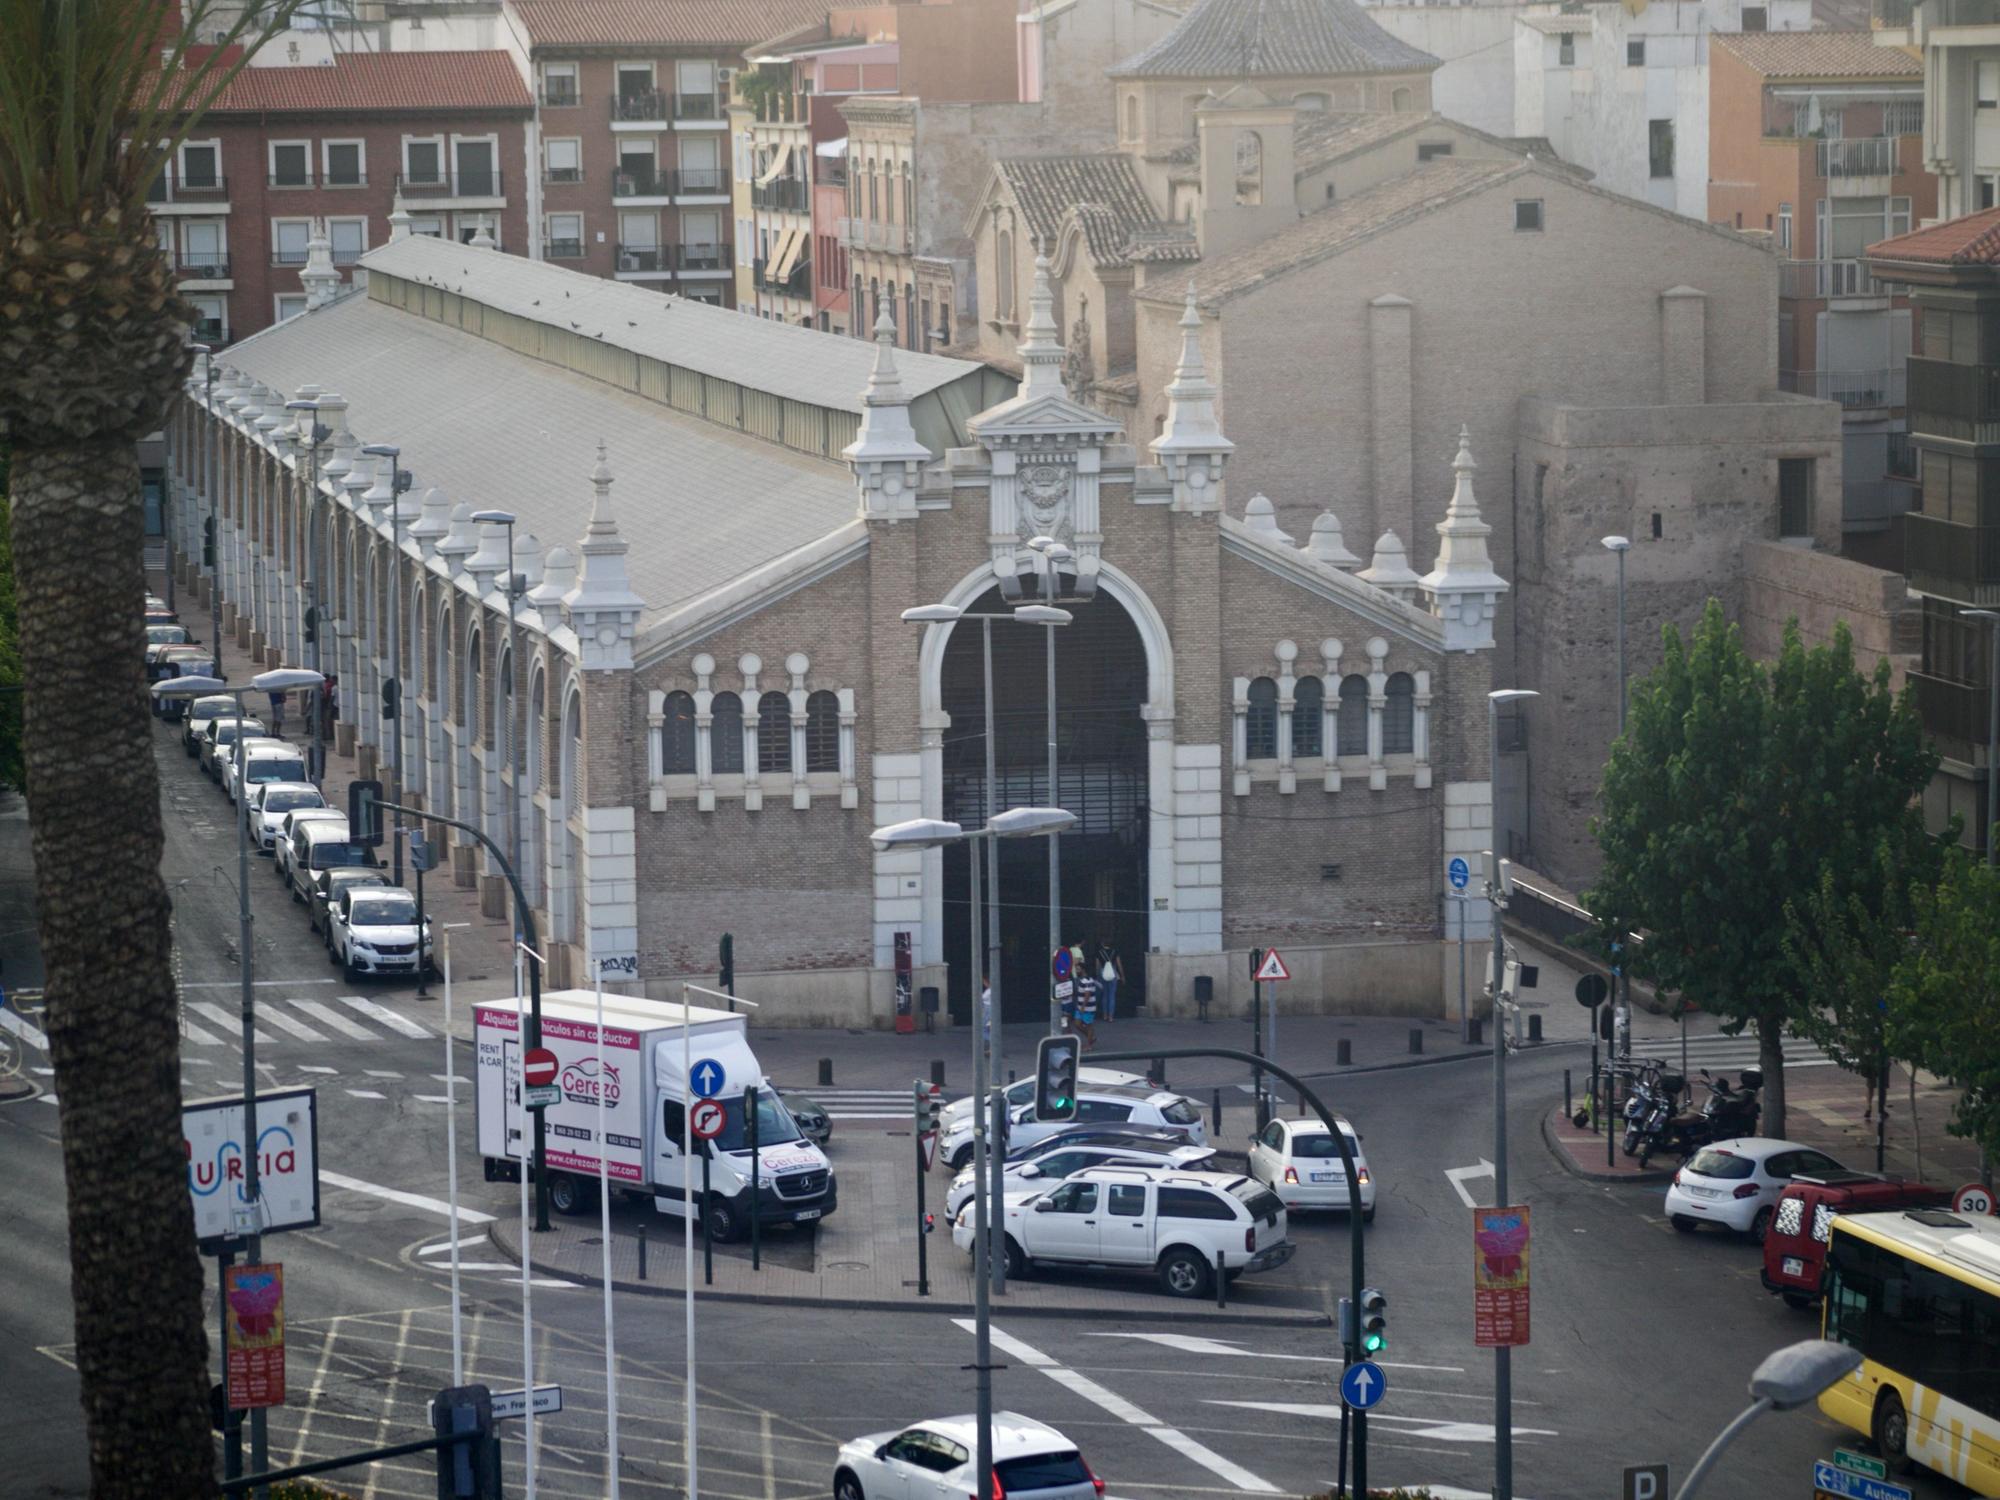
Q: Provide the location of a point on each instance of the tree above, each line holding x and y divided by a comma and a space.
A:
94, 97
1737, 788
1944, 995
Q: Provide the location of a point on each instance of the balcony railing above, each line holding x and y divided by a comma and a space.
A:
1891, 15
787, 193
289, 255
290, 180
642, 182
1954, 712
697, 107
795, 285
210, 331
710, 180
1850, 388
647, 105
203, 267
171, 187
1958, 562
1870, 156
558, 175
347, 255
565, 249
1900, 461
703, 257
1827, 278
874, 234
480, 183
644, 258
1954, 401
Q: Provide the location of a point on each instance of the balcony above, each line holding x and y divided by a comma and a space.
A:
1900, 461
289, 255
646, 107
798, 284
697, 107
698, 258
479, 182
1953, 712
874, 234
171, 187
202, 267
1851, 388
565, 249
1827, 279
290, 180
701, 181
344, 180
642, 182
1870, 156
787, 194
560, 176
1957, 562
1891, 15
649, 259
1954, 401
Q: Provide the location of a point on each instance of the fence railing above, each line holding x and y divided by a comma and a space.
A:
1885, 387
1870, 156
1827, 278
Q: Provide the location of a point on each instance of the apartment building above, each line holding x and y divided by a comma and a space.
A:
1960, 48
633, 154
441, 134
1815, 138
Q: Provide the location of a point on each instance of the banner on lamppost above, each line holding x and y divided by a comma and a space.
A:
1500, 1276
255, 1298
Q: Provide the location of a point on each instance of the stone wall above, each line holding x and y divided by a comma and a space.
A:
1783, 582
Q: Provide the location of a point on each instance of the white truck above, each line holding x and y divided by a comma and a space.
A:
646, 1101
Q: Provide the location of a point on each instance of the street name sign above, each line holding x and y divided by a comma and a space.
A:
1272, 968
707, 1078
706, 1119
548, 1398
542, 1095
1831, 1479
1860, 1463
1362, 1385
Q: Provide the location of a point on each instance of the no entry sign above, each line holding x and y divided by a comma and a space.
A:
538, 1067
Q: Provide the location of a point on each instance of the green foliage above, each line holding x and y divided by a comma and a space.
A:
1944, 994
1738, 788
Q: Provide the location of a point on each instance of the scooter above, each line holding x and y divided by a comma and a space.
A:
1728, 1112
1655, 1096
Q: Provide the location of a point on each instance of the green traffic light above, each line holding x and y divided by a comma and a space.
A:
1374, 1343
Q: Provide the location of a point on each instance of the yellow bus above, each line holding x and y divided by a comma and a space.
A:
1918, 1293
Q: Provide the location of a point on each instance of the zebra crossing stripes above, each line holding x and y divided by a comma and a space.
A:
1718, 1051
861, 1104
334, 1020
281, 1019
385, 1016
224, 1019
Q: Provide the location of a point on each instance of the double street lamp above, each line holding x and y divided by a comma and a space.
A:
1053, 554
316, 609
934, 833
392, 690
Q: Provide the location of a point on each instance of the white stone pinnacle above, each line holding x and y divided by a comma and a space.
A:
1041, 341
1327, 545
319, 277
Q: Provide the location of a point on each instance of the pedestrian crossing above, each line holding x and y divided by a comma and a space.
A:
1717, 1052
862, 1104
282, 1018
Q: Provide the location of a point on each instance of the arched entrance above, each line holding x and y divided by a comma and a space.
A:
1101, 752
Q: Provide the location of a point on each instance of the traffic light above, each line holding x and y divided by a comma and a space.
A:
392, 697
1374, 1321
364, 818
727, 963
933, 1106
208, 542
1055, 1077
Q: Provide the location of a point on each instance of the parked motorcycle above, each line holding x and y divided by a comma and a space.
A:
1727, 1113
1655, 1097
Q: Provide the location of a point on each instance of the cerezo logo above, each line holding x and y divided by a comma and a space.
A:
580, 1082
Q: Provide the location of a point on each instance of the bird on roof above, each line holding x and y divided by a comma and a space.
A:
630, 324
575, 324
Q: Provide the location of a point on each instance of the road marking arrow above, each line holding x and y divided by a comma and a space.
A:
1456, 1177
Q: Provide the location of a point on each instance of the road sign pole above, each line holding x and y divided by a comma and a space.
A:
707, 1238
756, 1177
923, 1250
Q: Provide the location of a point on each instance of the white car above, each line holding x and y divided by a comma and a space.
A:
281, 855
1298, 1160
1112, 1104
372, 929
219, 737
1022, 1092
1737, 1183
263, 760
1048, 1168
934, 1461
1177, 1225
270, 801
199, 712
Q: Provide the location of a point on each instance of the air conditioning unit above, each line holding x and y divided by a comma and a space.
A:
725, 74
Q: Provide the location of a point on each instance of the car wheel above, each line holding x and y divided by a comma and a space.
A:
847, 1487
961, 1159
1891, 1431
1684, 1224
1368, 1216
1184, 1274
293, 891
1799, 1301
723, 1221
567, 1196
1760, 1226
1017, 1263
348, 971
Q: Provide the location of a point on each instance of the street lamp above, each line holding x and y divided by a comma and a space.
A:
1992, 617
1787, 1379
392, 691
281, 680
317, 609
506, 518
212, 540
935, 833
1052, 552
1622, 1016
1503, 1371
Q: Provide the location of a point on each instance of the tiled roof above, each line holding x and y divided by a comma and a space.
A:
1332, 230
1971, 241
1274, 39
1820, 54
1163, 242
663, 23
1319, 138
402, 81
1103, 188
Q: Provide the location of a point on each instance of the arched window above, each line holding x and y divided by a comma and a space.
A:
1249, 168
910, 329
1400, 100
1307, 697
822, 732
726, 734
1003, 274
677, 735
1354, 715
1261, 733
909, 200
1131, 117
1399, 716
774, 733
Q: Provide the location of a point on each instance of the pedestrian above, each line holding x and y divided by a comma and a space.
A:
986, 1012
1110, 975
1086, 1009
277, 716
331, 692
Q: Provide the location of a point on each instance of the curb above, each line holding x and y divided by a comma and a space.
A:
14, 1090
1298, 1319
1576, 1169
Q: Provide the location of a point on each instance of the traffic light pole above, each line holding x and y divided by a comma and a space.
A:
922, 1102
1356, 1243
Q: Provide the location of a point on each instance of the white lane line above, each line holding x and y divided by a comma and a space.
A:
43, 1072
1125, 1411
27, 1032
443, 1247
364, 1094
381, 1073
450, 1078
1189, 1343
49, 1099
1456, 1177
228, 1022
397, 1195
336, 1020
1430, 1429
275, 1016
835, 1114
199, 1037
387, 1017
262, 984
313, 1068
432, 1098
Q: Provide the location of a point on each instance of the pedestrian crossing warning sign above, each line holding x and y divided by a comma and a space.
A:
1273, 967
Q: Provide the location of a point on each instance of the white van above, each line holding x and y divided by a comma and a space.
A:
647, 1097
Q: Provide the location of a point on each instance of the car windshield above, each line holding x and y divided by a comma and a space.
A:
1321, 1144
274, 768
1044, 1471
385, 911
166, 634
212, 708
1180, 1112
1724, 1164
287, 800
332, 855
774, 1123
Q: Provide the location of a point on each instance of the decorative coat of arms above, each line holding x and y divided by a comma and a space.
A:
1046, 501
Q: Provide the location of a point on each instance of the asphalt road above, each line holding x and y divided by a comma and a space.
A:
1643, 1339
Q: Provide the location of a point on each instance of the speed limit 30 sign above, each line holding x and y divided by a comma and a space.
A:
1973, 1198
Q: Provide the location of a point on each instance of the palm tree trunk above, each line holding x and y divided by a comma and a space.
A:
94, 824
1771, 1060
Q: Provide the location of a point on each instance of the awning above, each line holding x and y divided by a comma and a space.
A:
777, 167
831, 148
788, 254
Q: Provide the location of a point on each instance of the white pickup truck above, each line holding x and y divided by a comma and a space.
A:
1173, 1223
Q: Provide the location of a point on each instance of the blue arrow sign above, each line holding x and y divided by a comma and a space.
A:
1460, 874
1362, 1385
706, 1079
1838, 1481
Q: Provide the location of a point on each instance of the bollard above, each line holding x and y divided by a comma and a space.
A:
1343, 1053
937, 1071
826, 1072
1475, 1028
1216, 1108
1221, 1282
642, 1249
1204, 994
1416, 1040
1158, 1073
1534, 1028
1569, 1112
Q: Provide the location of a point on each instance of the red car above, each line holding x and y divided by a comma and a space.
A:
1795, 1247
